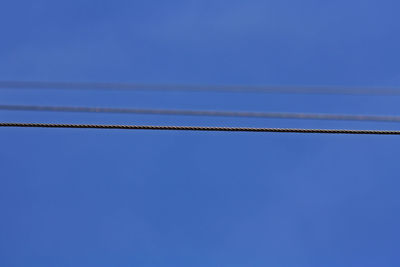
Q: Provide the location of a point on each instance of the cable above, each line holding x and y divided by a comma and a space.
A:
200, 88
275, 115
199, 128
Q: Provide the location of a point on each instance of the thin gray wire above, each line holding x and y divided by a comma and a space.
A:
275, 115
200, 128
213, 88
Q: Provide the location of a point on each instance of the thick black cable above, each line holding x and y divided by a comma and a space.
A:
200, 88
211, 113
200, 128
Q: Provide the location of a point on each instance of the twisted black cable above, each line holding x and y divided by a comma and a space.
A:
200, 128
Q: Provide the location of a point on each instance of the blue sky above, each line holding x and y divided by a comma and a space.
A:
131, 198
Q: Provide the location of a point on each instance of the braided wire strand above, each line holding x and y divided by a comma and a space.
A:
201, 128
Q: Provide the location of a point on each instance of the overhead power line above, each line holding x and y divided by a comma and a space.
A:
201, 128
210, 113
199, 88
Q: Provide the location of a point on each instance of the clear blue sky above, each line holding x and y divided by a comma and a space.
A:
131, 198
